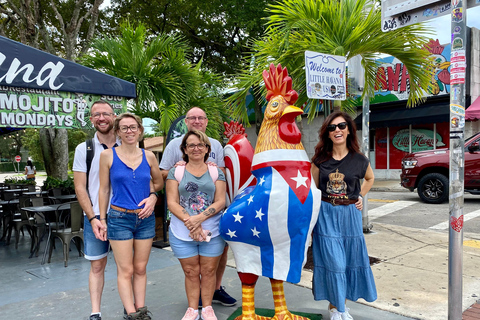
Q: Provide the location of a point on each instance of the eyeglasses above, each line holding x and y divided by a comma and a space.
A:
333, 127
199, 146
97, 115
133, 128
196, 118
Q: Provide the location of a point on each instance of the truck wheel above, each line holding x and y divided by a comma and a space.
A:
433, 188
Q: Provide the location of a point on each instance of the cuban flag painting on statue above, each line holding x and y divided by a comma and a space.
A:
269, 225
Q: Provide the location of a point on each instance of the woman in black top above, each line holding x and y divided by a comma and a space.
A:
341, 264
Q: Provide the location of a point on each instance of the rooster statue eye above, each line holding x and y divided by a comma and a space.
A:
274, 105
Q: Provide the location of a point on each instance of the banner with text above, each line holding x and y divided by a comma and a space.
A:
325, 76
38, 108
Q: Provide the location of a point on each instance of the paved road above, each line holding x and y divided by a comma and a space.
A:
406, 209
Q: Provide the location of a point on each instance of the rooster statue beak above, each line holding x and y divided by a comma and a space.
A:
287, 127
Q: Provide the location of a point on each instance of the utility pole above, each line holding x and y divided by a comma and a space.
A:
457, 157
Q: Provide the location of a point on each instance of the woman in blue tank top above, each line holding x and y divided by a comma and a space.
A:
131, 175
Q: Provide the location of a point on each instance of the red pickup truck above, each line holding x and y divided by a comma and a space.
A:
428, 171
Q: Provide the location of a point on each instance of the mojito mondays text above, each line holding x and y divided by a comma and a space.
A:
42, 107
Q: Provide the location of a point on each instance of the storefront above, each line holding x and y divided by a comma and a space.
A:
396, 130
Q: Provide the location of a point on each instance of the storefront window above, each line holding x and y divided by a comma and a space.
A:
399, 138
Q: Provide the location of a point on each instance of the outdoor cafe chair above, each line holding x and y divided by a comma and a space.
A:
72, 215
20, 220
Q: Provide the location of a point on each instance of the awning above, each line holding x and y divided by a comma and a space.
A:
396, 114
473, 112
26, 67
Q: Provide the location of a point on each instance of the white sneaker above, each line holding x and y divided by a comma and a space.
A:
346, 315
334, 314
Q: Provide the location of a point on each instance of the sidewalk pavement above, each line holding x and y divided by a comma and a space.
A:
411, 280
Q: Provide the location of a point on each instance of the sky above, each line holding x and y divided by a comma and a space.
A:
443, 24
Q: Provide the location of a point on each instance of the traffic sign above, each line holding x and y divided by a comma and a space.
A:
18, 158
401, 13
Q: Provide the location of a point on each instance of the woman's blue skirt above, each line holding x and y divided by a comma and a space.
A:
341, 264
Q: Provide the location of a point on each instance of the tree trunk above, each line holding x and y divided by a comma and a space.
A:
257, 97
54, 144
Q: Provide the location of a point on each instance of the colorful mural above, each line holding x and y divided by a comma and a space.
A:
394, 80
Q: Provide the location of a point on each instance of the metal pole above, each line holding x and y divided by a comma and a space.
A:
457, 158
367, 227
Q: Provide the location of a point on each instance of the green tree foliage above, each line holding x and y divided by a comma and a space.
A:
345, 28
60, 27
217, 30
31, 142
167, 83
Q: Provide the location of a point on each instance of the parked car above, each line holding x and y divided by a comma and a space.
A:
428, 171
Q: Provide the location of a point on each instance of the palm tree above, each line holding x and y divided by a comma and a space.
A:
166, 82
338, 27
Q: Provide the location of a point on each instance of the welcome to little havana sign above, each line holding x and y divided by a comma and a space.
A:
325, 76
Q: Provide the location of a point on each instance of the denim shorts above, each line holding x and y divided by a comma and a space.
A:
187, 249
94, 249
125, 226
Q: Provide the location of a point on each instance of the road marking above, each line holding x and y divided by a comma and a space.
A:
389, 208
472, 243
444, 225
382, 200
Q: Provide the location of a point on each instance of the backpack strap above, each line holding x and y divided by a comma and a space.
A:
213, 173
90, 145
180, 171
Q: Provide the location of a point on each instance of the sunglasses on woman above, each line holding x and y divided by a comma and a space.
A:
333, 127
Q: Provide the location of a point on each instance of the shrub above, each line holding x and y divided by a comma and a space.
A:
67, 186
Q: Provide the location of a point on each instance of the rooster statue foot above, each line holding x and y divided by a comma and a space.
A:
281, 311
252, 317
248, 297
287, 315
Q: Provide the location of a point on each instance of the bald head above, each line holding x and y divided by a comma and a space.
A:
196, 119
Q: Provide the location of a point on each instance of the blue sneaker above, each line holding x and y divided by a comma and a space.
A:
221, 296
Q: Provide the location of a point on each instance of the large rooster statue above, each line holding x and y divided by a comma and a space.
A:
268, 225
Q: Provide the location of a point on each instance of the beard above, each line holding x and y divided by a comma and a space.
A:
103, 129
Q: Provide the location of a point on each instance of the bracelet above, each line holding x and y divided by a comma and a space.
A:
90, 220
360, 196
156, 194
103, 218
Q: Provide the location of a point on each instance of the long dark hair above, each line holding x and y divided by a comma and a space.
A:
323, 149
29, 164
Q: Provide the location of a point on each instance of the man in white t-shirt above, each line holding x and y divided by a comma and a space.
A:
95, 242
196, 119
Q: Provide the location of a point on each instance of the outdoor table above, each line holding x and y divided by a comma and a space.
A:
64, 197
13, 201
52, 208
15, 192
35, 193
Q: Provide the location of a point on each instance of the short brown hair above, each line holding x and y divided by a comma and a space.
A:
116, 124
203, 138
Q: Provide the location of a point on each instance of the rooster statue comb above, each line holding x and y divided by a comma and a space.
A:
268, 224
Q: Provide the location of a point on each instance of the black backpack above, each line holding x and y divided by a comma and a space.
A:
90, 153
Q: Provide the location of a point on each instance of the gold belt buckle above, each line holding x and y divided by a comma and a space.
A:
332, 201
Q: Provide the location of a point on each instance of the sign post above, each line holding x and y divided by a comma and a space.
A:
18, 159
457, 158
395, 14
